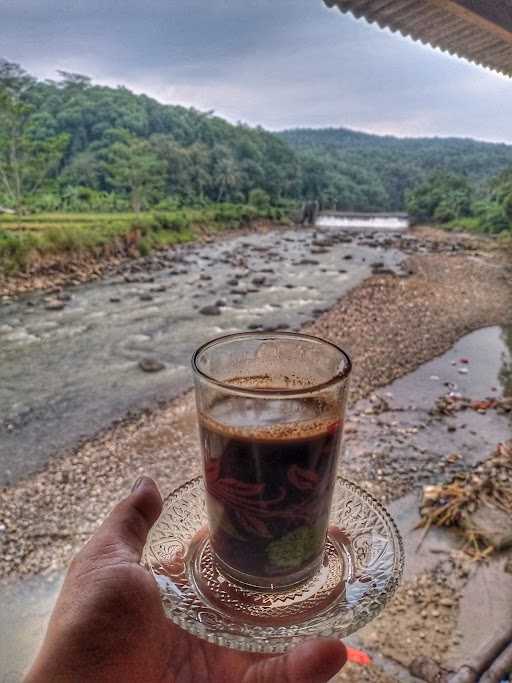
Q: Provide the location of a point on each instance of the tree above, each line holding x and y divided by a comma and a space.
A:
26, 157
134, 168
442, 197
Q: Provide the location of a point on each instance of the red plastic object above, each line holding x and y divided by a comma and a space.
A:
358, 657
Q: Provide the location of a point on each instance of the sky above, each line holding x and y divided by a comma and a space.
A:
274, 63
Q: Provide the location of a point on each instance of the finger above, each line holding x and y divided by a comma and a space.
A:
316, 661
123, 533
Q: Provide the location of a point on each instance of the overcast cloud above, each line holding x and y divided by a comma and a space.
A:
277, 63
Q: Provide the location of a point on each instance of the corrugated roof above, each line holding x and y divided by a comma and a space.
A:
476, 30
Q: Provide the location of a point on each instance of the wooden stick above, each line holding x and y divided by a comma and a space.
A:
502, 665
483, 658
464, 675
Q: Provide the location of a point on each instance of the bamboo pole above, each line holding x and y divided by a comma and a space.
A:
484, 658
501, 666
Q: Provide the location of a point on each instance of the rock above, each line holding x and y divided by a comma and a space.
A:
146, 297
204, 276
320, 251
151, 365
491, 524
258, 281
428, 670
307, 262
348, 257
210, 310
115, 299
160, 288
220, 303
290, 286
342, 270
253, 326
64, 296
54, 305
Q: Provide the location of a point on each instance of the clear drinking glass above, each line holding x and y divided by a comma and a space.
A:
270, 410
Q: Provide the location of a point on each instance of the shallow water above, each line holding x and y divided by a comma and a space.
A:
65, 375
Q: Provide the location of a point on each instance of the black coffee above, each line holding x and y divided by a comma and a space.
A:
269, 487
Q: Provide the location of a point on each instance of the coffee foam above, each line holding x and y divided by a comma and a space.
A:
298, 430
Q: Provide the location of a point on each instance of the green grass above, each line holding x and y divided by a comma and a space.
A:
24, 238
469, 224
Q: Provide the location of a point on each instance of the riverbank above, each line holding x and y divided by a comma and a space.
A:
393, 324
51, 251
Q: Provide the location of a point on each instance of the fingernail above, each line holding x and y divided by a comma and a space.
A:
137, 484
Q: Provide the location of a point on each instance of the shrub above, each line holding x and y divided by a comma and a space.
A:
259, 198
492, 217
175, 222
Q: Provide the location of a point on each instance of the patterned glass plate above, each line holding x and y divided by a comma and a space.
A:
361, 569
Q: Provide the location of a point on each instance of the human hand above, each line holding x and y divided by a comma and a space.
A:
109, 623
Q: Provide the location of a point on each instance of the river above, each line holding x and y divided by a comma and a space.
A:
67, 374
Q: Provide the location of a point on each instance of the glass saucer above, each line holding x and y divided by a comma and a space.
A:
361, 569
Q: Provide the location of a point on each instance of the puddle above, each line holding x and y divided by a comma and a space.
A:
399, 445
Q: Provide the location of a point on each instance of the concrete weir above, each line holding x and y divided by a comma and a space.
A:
359, 221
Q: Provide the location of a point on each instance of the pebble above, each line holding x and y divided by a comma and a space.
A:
55, 305
146, 297
210, 310
151, 365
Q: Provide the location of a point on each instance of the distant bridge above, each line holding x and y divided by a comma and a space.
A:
354, 219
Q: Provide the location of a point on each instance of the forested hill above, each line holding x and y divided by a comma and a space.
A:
72, 145
393, 165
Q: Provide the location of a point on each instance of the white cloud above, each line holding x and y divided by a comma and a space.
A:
277, 63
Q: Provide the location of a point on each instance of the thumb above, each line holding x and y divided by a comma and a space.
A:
123, 533
316, 661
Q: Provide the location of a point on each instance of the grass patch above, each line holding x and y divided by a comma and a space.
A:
469, 224
23, 238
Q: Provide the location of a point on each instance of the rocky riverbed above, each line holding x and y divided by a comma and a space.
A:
395, 441
74, 360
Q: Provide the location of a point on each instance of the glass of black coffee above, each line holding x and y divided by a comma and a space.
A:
270, 409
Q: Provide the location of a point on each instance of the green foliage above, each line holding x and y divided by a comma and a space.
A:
68, 233
176, 222
491, 217
71, 145
134, 169
507, 206
15, 250
259, 198
389, 165
131, 152
442, 197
